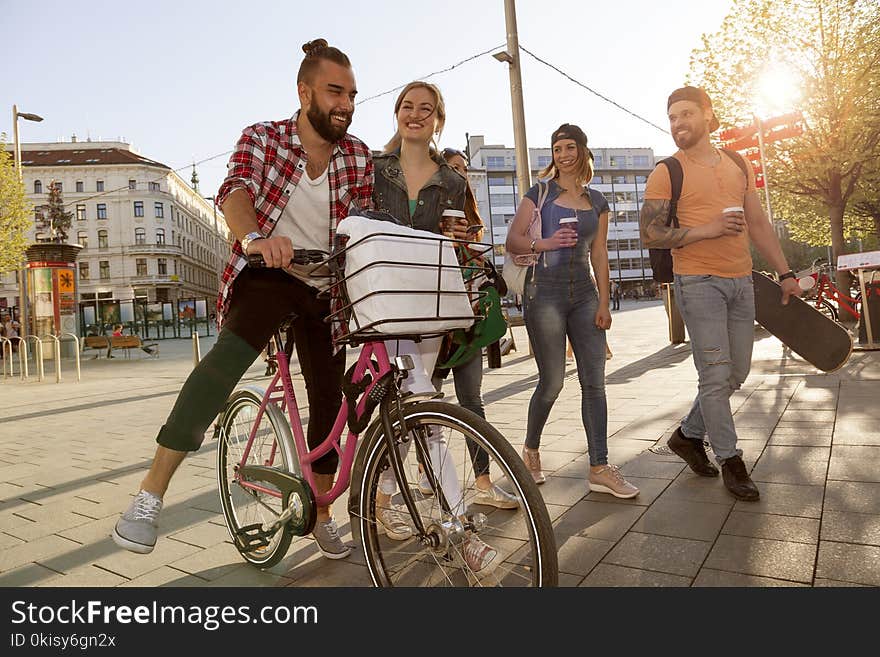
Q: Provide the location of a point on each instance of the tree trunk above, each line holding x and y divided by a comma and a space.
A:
876, 218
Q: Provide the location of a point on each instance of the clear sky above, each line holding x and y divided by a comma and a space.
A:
180, 79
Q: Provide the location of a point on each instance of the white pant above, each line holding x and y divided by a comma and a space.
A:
418, 381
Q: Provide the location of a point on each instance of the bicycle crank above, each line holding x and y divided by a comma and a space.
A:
298, 502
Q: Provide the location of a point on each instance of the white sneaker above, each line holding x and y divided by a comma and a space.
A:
495, 496
391, 521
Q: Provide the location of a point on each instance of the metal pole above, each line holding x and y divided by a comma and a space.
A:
23, 287
764, 168
197, 352
523, 169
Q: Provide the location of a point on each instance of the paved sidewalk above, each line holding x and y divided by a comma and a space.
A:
72, 454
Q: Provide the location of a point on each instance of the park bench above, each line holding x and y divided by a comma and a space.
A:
101, 343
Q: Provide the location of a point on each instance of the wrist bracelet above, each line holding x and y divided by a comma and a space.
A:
532, 247
788, 274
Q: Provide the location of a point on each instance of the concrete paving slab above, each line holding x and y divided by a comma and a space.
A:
849, 563
842, 527
606, 574
763, 557
677, 556
683, 519
710, 577
780, 528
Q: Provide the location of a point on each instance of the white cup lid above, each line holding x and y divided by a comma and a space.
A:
736, 208
569, 220
454, 213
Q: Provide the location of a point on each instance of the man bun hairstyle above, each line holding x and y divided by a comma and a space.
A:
317, 50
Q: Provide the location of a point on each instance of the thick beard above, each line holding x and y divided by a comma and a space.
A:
688, 142
324, 126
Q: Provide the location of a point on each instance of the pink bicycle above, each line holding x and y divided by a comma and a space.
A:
267, 485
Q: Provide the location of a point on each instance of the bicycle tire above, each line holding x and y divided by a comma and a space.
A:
827, 308
243, 507
528, 562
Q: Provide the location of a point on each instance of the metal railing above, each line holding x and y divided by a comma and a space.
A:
38, 355
77, 348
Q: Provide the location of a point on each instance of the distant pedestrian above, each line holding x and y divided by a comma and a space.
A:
719, 213
615, 296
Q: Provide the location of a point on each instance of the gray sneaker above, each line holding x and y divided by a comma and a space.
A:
327, 537
137, 529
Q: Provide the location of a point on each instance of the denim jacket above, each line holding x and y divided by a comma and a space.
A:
444, 190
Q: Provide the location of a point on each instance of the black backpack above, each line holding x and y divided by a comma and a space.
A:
661, 259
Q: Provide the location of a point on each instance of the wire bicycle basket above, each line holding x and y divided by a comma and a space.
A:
394, 281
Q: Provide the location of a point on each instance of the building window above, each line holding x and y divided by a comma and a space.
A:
505, 200
544, 161
163, 267
132, 184
79, 186
83, 238
99, 186
81, 212
597, 161
102, 239
102, 210
140, 236
495, 162
83, 271
59, 186
138, 208
616, 162
497, 182
38, 187
141, 264
154, 187
104, 266
160, 236
641, 161
618, 180
159, 209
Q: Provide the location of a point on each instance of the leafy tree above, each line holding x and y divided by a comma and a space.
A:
58, 219
15, 214
831, 48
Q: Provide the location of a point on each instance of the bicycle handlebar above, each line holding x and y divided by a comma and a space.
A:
300, 257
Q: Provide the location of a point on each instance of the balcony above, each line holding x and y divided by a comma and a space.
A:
153, 249
156, 279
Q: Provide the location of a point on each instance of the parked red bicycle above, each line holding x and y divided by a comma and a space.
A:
821, 291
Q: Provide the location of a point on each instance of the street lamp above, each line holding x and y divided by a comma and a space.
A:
17, 158
15, 116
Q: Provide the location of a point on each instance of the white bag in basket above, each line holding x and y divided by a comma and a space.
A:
366, 276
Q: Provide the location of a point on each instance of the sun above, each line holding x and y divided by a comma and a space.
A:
778, 91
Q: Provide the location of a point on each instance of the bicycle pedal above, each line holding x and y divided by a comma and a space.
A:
252, 538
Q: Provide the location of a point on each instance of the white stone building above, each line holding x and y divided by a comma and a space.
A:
146, 233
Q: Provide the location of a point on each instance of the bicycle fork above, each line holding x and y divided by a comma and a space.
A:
453, 529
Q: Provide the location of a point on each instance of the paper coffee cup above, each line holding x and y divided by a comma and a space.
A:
456, 214
565, 221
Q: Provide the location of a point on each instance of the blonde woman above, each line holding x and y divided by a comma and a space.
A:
414, 183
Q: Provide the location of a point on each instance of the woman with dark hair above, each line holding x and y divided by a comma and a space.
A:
561, 299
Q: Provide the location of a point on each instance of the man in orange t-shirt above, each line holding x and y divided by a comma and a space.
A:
719, 212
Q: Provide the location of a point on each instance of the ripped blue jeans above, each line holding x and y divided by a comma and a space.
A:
720, 317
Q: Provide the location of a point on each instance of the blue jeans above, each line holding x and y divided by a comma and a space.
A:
553, 310
720, 317
468, 379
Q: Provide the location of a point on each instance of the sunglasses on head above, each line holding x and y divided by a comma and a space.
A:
450, 152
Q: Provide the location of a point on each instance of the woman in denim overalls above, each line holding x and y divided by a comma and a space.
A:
561, 299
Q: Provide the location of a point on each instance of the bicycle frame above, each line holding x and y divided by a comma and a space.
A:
828, 290
280, 391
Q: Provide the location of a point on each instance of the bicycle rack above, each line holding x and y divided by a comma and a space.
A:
38, 354
22, 357
57, 353
4, 342
78, 346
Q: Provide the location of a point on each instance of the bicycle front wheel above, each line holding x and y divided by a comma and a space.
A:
471, 538
273, 447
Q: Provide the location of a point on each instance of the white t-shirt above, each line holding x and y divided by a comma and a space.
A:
306, 221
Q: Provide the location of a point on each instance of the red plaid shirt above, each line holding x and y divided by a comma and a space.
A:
268, 163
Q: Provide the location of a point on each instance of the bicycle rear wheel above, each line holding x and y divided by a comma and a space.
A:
522, 537
272, 447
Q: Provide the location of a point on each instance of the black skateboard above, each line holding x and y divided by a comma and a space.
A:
809, 333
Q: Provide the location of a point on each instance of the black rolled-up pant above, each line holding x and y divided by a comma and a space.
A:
261, 299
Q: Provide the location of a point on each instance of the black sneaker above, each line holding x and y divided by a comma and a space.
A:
693, 453
737, 480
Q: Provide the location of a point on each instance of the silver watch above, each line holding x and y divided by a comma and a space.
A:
246, 241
